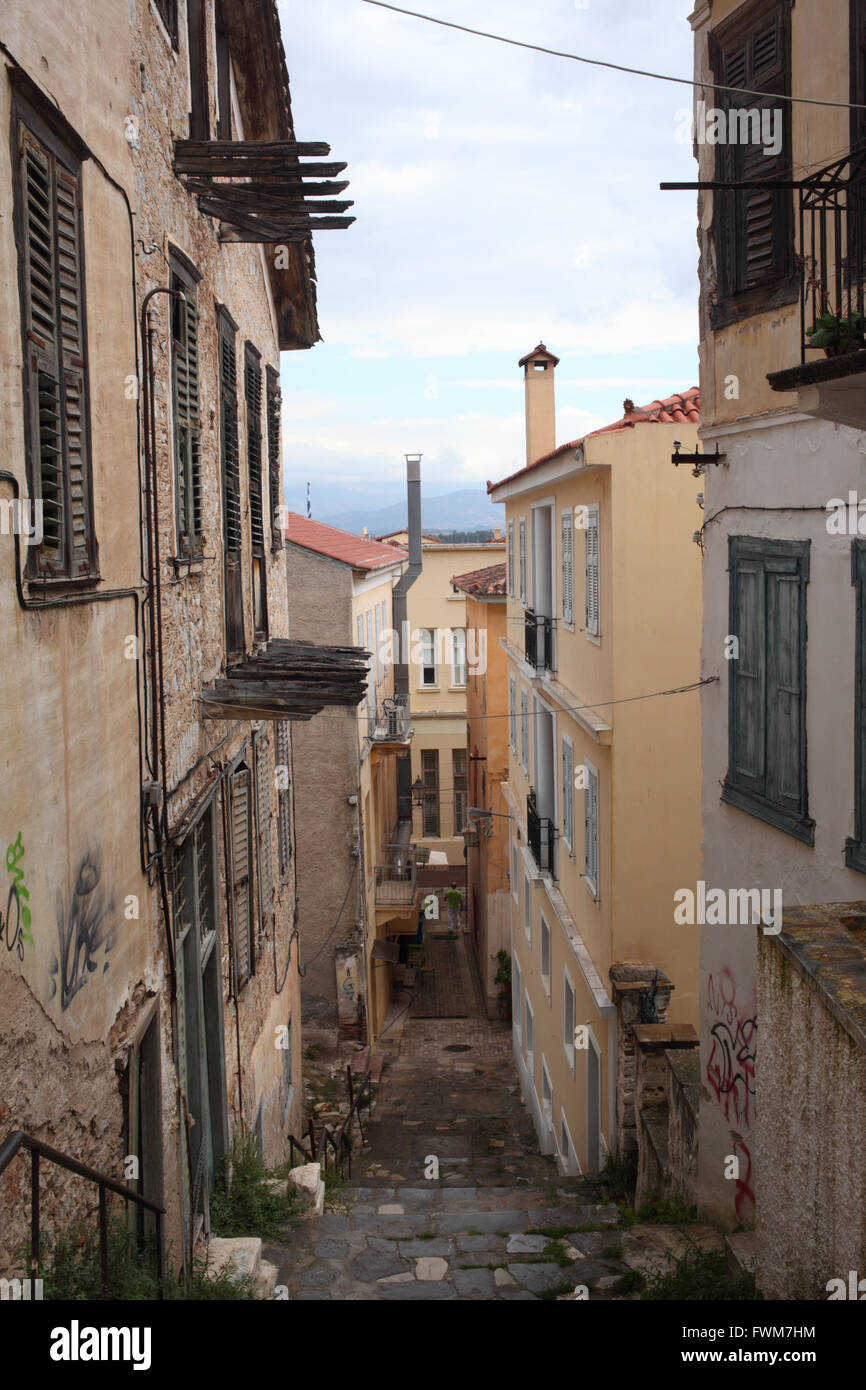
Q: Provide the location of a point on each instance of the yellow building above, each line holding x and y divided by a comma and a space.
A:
487, 847
603, 611
444, 653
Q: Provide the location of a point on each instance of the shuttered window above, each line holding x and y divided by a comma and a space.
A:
428, 656
511, 559
430, 778
767, 683
524, 730
592, 571
264, 828
567, 568
458, 767
855, 847
56, 383
590, 812
241, 874
193, 880
284, 793
568, 793
754, 230
522, 560
187, 419
167, 10
253, 401
275, 496
512, 713
230, 454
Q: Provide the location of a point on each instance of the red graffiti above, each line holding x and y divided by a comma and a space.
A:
743, 1185
731, 1064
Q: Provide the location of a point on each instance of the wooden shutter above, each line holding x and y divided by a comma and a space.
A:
231, 463
511, 559
56, 365
567, 793
241, 873
524, 729
522, 561
591, 827
264, 829
275, 499
430, 775
187, 421
785, 680
253, 394
747, 673
754, 230
512, 712
567, 568
592, 614
284, 822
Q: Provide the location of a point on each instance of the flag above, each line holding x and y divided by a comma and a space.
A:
309, 508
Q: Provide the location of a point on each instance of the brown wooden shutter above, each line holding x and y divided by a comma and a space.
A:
264, 828
253, 393
274, 408
284, 818
241, 874
56, 367
231, 464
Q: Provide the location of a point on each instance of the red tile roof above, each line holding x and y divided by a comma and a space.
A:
358, 551
486, 583
684, 409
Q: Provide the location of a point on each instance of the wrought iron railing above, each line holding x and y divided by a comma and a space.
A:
832, 253
397, 881
541, 834
336, 1146
389, 723
18, 1140
538, 641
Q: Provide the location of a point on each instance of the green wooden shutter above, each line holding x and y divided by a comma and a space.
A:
747, 673
187, 422
785, 678
264, 828
253, 395
241, 873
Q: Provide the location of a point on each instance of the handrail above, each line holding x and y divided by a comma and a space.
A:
37, 1148
341, 1143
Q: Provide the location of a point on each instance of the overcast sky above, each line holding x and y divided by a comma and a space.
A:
502, 197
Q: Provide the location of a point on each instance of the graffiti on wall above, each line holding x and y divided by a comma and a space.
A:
85, 933
731, 1063
15, 923
743, 1192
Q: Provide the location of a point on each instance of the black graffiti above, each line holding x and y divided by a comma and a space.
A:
14, 939
84, 931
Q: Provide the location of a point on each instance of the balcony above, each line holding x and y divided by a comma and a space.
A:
541, 834
831, 376
396, 886
538, 641
389, 724
288, 679
259, 191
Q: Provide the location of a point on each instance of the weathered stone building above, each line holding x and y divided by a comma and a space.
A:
149, 987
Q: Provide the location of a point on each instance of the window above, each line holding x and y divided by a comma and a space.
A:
753, 231
194, 894
241, 873
522, 560
253, 398
275, 496
430, 778
55, 375
512, 713
546, 1095
545, 956
516, 995
167, 11
223, 75
264, 831
428, 656
568, 793
592, 571
459, 774
231, 485
566, 1148
515, 871
567, 567
524, 729
767, 683
199, 116
283, 752
568, 1019
527, 909
187, 421
511, 559
458, 656
590, 811
529, 1035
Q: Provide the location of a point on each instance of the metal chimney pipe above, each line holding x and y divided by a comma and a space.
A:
410, 574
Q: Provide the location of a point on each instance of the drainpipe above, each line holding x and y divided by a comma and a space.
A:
401, 588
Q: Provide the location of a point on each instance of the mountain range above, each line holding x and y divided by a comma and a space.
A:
464, 510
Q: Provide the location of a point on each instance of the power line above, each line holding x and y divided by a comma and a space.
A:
616, 67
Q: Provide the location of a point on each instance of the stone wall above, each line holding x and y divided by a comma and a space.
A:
629, 980
665, 1114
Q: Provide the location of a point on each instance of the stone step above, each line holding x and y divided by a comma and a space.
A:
239, 1256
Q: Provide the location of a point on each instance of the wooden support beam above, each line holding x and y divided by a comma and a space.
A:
294, 188
227, 167
254, 148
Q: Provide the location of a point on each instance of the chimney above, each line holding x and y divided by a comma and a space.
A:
538, 367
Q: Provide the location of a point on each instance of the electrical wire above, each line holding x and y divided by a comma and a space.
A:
615, 67
303, 969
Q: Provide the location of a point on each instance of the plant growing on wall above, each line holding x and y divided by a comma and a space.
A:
502, 978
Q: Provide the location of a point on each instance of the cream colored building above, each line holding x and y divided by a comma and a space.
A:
604, 771
784, 802
444, 654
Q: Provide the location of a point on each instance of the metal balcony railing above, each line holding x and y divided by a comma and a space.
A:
389, 722
541, 834
832, 247
538, 641
397, 882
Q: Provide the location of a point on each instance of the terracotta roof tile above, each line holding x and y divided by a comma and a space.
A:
679, 409
358, 551
487, 583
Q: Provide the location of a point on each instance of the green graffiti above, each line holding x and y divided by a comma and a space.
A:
14, 853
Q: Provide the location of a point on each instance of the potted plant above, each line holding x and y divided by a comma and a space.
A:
838, 333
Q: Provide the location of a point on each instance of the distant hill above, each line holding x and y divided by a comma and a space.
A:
468, 509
